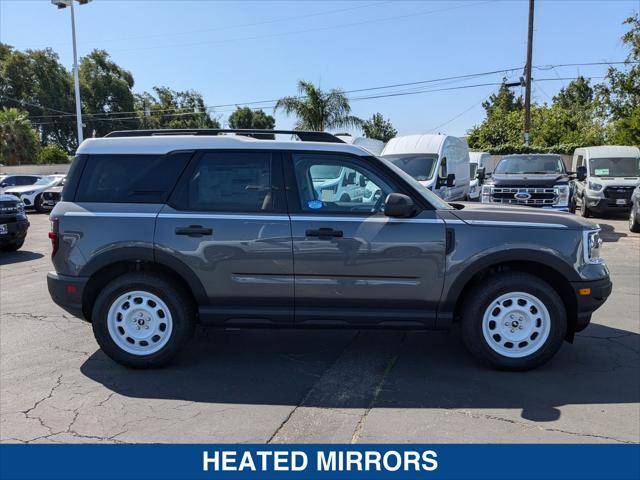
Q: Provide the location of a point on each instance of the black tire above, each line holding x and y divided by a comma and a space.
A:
345, 198
180, 305
572, 205
37, 203
634, 225
13, 246
584, 210
482, 297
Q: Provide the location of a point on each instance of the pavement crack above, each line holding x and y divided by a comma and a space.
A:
357, 432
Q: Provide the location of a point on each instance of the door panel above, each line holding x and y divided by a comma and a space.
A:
242, 258
353, 265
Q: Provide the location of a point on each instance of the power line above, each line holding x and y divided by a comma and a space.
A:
382, 87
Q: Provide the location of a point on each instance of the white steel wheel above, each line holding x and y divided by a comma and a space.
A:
516, 324
139, 323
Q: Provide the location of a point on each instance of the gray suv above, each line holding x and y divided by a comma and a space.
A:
158, 231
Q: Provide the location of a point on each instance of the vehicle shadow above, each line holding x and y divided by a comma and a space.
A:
8, 258
609, 234
426, 370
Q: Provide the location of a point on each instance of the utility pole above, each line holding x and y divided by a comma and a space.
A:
527, 73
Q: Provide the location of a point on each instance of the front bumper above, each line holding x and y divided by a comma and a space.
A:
607, 205
16, 230
590, 296
67, 292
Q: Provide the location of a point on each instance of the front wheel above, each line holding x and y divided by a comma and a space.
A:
39, 204
142, 320
515, 321
634, 225
584, 210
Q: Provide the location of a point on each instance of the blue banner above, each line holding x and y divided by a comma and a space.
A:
308, 462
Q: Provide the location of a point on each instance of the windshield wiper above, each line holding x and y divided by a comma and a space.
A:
533, 173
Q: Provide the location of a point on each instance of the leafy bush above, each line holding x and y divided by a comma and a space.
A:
52, 154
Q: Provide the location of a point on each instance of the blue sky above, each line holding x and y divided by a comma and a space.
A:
237, 52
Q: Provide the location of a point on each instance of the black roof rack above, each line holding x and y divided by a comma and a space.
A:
305, 136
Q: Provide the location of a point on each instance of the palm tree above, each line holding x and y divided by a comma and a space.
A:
317, 110
18, 139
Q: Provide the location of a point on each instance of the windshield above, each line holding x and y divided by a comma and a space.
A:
615, 167
45, 181
427, 194
473, 168
420, 167
325, 172
530, 164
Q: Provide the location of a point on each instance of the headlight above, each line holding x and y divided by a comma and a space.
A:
31, 192
592, 245
562, 191
486, 193
596, 187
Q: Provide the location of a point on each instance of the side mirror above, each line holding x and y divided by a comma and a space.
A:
581, 173
451, 180
480, 175
399, 205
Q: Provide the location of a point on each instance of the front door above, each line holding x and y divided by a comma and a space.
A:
353, 265
227, 223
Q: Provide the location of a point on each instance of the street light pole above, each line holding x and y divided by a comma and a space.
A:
76, 79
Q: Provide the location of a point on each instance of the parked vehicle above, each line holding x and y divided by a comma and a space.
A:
606, 177
634, 213
11, 181
438, 162
157, 233
13, 223
535, 180
371, 144
477, 163
52, 195
31, 195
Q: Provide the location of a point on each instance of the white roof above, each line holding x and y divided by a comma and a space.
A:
371, 144
414, 144
612, 151
161, 144
474, 157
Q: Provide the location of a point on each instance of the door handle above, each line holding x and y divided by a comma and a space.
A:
193, 231
324, 233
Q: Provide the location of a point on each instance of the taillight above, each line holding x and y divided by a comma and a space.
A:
53, 235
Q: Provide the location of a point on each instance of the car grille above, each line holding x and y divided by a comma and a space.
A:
618, 192
7, 208
518, 196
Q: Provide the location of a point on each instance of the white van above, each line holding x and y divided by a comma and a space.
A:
605, 178
370, 144
476, 160
439, 162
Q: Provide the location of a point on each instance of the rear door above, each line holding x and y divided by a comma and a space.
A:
354, 265
227, 223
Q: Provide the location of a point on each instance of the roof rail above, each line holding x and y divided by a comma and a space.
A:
261, 134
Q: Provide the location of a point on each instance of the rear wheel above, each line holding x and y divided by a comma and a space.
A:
142, 320
634, 225
13, 246
516, 321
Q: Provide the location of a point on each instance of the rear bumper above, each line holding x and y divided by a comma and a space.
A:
67, 292
16, 230
587, 303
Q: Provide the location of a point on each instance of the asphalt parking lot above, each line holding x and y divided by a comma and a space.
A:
312, 386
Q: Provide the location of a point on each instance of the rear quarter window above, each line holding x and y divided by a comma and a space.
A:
130, 178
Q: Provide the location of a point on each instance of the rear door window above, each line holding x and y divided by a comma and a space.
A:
233, 181
130, 178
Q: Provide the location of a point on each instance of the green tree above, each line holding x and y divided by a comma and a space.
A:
379, 128
105, 88
173, 109
504, 101
618, 97
318, 110
19, 141
248, 118
52, 154
36, 82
